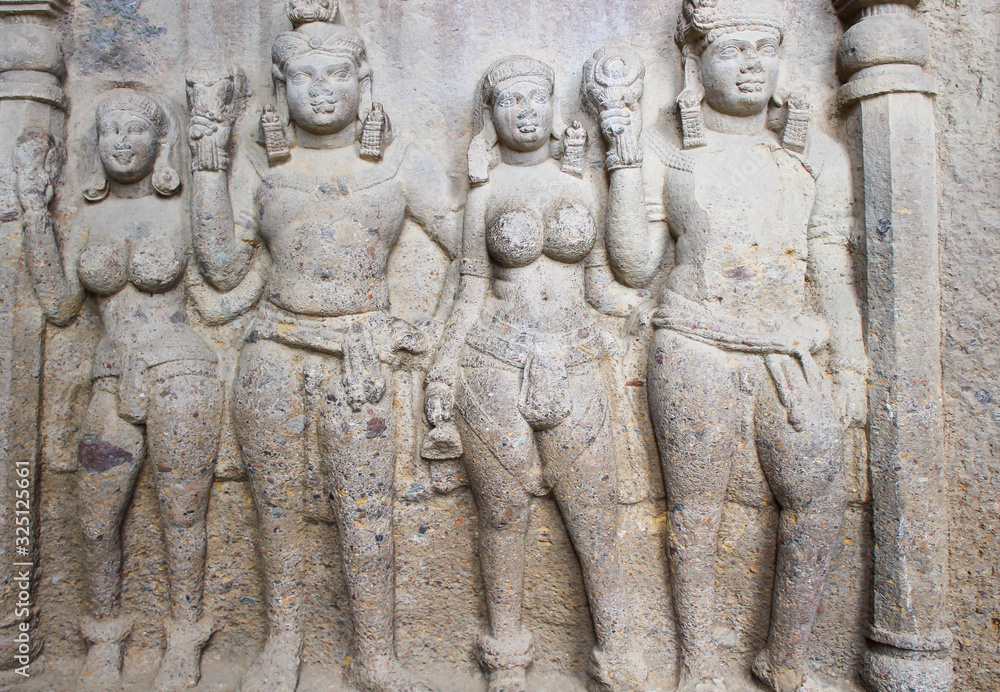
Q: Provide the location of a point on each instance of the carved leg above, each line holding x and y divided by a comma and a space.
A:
504, 510
182, 430
581, 470
110, 455
269, 412
693, 402
358, 450
805, 472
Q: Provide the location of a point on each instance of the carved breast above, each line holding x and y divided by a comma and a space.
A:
519, 237
103, 268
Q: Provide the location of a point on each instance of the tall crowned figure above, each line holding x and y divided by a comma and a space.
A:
315, 370
758, 297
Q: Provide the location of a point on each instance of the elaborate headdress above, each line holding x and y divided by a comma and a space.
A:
700, 23
703, 21
316, 30
161, 116
483, 154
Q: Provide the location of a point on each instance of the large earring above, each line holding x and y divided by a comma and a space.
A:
574, 149
373, 133
275, 138
689, 103
796, 123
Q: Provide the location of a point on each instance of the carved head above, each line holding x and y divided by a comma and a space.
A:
325, 75
518, 91
136, 136
731, 53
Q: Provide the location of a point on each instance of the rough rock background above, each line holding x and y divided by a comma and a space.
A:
965, 37
428, 56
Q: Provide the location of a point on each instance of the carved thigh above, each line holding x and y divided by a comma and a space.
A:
270, 416
502, 458
694, 404
801, 466
358, 453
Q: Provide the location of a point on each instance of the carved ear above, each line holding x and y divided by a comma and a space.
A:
482, 151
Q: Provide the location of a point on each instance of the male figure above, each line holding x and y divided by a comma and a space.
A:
760, 284
316, 368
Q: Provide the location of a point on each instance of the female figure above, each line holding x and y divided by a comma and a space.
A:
761, 283
155, 389
520, 359
320, 355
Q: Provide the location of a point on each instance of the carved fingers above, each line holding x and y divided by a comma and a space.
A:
850, 395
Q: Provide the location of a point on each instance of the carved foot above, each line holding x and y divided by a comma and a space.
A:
180, 668
102, 671
277, 666
778, 679
508, 680
506, 661
384, 674
623, 671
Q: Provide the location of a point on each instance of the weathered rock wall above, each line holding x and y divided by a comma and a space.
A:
428, 56
965, 38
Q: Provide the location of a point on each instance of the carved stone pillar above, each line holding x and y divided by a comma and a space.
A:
31, 70
889, 96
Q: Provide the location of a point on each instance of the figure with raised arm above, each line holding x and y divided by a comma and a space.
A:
317, 362
519, 361
759, 293
155, 390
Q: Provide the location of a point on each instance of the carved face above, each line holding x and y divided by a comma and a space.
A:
323, 92
739, 72
127, 145
522, 114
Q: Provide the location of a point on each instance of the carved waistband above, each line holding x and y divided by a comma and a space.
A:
323, 334
509, 345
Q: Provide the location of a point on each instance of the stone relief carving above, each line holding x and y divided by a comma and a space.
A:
519, 360
317, 362
728, 231
759, 289
155, 390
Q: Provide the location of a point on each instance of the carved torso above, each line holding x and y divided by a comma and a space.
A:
539, 227
134, 264
330, 237
741, 221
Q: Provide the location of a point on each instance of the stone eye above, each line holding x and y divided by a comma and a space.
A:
729, 53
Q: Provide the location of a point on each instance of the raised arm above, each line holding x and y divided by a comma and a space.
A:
603, 292
38, 159
224, 242
830, 272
